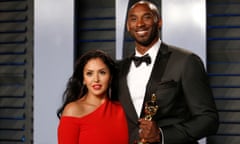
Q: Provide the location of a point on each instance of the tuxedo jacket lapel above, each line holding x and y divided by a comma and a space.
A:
157, 72
124, 93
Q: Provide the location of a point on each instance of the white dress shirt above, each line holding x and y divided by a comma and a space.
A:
138, 77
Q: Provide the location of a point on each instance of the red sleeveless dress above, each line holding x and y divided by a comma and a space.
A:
106, 125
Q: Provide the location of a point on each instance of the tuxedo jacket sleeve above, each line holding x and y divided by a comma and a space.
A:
187, 111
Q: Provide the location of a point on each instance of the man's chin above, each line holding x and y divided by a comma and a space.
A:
143, 42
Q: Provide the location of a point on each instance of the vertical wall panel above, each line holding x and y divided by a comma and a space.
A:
16, 71
184, 25
223, 33
95, 26
53, 64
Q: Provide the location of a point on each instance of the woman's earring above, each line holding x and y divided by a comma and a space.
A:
110, 92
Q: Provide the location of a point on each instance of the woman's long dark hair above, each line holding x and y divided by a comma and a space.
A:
75, 88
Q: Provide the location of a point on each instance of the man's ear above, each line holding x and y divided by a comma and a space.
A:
127, 27
160, 23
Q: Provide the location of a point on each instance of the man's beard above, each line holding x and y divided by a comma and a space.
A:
150, 39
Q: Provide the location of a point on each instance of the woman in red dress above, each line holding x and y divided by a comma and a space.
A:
90, 114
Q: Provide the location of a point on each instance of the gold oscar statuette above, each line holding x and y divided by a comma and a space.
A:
150, 109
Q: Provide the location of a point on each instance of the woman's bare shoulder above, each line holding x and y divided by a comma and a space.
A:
72, 109
77, 109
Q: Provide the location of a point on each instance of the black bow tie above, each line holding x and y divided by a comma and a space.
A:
138, 60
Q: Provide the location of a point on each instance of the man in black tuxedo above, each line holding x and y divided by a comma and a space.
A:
186, 108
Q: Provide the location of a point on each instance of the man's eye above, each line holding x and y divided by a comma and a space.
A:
132, 19
147, 17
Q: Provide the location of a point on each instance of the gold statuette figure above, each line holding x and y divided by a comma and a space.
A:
150, 109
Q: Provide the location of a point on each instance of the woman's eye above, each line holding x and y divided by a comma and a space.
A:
89, 73
102, 72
